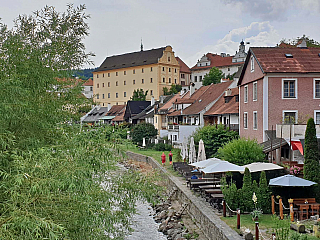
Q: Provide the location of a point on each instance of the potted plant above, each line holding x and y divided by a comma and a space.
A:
257, 212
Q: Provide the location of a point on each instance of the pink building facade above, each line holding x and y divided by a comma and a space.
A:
278, 85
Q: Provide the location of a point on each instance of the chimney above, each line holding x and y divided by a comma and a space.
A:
152, 101
109, 106
228, 92
192, 89
162, 98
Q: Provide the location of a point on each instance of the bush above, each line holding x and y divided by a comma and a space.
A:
143, 130
241, 151
247, 192
231, 194
214, 137
162, 147
263, 194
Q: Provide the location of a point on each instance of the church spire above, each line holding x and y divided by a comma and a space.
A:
141, 46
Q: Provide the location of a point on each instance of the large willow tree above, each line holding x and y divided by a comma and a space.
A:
55, 181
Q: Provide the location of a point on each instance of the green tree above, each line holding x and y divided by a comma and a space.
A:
263, 194
175, 88
214, 76
311, 167
143, 130
213, 136
241, 151
310, 42
139, 95
247, 192
166, 91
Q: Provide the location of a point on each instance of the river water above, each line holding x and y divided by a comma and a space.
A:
145, 228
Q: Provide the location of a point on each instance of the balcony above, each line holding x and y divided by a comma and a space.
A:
297, 130
174, 128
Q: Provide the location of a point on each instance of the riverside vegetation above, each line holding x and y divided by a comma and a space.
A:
57, 181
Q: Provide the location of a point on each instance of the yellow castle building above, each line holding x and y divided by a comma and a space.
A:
118, 76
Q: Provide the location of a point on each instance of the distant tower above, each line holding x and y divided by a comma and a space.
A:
141, 46
242, 47
241, 55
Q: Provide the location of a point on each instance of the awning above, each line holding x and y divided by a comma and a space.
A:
107, 117
296, 145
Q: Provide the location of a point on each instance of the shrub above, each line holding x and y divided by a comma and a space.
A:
241, 151
143, 130
263, 194
162, 147
213, 136
247, 192
231, 194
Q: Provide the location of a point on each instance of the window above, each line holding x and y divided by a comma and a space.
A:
182, 75
316, 87
102, 84
91, 88
175, 81
289, 88
252, 64
169, 80
108, 74
116, 73
151, 69
195, 78
245, 98
142, 81
163, 80
134, 71
108, 84
245, 120
103, 75
134, 81
124, 72
108, 95
255, 120
97, 75
150, 80
151, 92
124, 82
116, 95
200, 79
98, 96
168, 59
97, 85
237, 98
163, 69
125, 94
116, 83
255, 91
169, 69
102, 96
175, 70
290, 117
142, 70
317, 117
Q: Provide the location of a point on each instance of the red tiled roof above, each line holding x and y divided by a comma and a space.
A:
213, 92
89, 82
220, 107
273, 59
183, 67
119, 117
217, 61
115, 110
175, 113
170, 102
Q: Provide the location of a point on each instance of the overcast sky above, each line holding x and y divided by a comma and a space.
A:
192, 28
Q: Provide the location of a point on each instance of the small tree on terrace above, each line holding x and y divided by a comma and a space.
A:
241, 151
247, 191
214, 76
143, 130
139, 95
311, 153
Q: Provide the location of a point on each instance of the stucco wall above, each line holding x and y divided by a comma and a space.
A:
209, 223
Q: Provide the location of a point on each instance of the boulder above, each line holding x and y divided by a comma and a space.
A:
248, 236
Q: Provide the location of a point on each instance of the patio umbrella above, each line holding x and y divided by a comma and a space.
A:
192, 151
223, 166
259, 167
290, 181
205, 163
184, 149
201, 151
143, 142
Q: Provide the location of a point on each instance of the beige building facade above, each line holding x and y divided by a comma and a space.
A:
118, 76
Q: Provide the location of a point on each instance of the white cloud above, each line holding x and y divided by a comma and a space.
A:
260, 34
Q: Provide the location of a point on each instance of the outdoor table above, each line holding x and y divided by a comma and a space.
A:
215, 198
195, 184
212, 191
209, 187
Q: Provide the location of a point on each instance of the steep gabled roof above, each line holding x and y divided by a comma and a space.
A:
217, 61
274, 60
221, 107
183, 67
89, 82
96, 114
131, 59
135, 107
212, 93
115, 110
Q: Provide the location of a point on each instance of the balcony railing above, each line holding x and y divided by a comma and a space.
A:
297, 130
173, 127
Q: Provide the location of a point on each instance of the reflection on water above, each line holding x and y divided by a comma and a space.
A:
145, 228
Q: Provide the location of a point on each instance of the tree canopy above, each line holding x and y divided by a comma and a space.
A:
174, 89
310, 42
143, 130
214, 76
139, 95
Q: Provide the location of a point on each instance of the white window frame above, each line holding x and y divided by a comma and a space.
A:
252, 64
245, 113
296, 115
253, 120
245, 91
315, 116
295, 88
255, 91
314, 88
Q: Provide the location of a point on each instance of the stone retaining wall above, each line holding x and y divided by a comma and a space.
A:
209, 223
